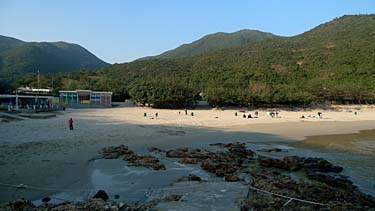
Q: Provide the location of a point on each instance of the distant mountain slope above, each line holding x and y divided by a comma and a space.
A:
334, 62
18, 57
214, 42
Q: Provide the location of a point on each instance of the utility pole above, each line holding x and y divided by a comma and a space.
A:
38, 82
37, 93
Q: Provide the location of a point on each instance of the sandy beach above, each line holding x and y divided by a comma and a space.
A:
44, 153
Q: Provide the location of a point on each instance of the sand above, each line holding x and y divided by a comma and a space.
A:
43, 152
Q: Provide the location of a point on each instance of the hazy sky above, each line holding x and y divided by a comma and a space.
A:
123, 30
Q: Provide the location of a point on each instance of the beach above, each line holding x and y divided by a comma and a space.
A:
45, 153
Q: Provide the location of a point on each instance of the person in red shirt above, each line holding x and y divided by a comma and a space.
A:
71, 124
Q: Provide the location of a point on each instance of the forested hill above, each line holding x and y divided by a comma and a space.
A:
214, 42
18, 57
333, 62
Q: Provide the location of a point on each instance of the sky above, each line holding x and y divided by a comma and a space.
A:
119, 31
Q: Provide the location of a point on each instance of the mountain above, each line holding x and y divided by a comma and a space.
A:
333, 62
214, 42
18, 58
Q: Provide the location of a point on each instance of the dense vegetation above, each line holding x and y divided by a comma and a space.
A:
214, 42
18, 57
334, 62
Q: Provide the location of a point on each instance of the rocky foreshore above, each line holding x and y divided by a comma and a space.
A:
131, 157
319, 180
93, 204
288, 183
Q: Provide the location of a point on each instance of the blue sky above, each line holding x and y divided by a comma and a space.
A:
123, 30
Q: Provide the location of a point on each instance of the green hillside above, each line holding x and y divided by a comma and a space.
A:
333, 62
214, 42
18, 58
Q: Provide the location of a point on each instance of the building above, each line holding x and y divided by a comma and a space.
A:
28, 102
85, 99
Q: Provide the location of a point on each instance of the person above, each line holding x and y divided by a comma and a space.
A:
192, 114
320, 114
277, 114
179, 113
249, 116
71, 124
256, 114
144, 114
235, 114
156, 115
186, 112
244, 116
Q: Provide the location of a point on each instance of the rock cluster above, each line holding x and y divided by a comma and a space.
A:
131, 157
93, 204
186, 152
222, 163
294, 163
333, 198
323, 183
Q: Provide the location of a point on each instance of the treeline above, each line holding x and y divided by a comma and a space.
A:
333, 63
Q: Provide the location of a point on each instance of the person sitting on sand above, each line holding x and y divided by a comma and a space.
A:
256, 114
244, 116
302, 117
156, 115
249, 116
71, 124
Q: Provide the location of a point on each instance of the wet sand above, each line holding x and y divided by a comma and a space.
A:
43, 152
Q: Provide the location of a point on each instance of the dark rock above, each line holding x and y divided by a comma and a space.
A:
294, 163
219, 145
272, 150
101, 194
191, 177
335, 181
46, 199
320, 164
146, 161
155, 149
189, 161
19, 204
114, 152
231, 178
335, 197
132, 158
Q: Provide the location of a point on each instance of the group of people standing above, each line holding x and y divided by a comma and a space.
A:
249, 116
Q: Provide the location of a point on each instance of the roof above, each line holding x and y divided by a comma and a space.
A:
89, 91
24, 96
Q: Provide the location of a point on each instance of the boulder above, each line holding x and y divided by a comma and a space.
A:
189, 161
101, 194
231, 178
